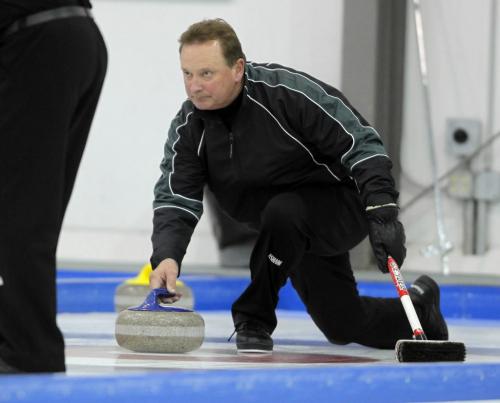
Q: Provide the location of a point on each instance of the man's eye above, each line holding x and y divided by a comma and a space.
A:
207, 74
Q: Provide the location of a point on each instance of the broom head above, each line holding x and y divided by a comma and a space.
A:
429, 351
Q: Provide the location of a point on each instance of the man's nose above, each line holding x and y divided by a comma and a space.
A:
194, 85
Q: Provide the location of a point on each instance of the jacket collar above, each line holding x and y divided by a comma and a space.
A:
213, 115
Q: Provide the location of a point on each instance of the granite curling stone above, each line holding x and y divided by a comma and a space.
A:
132, 292
155, 328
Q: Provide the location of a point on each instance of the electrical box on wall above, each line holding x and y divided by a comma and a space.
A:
487, 186
463, 136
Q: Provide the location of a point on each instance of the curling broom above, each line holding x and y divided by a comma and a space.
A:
420, 349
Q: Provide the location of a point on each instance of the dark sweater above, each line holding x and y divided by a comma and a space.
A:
289, 130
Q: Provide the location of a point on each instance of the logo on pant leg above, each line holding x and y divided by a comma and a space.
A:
274, 260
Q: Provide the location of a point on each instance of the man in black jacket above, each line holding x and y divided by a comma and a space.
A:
288, 155
52, 66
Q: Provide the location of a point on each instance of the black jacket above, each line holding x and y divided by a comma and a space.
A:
290, 130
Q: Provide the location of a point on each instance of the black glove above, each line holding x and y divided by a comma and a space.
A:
387, 235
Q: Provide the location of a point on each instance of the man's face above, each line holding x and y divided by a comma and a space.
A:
210, 83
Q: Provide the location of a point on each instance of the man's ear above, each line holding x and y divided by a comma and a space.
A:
239, 69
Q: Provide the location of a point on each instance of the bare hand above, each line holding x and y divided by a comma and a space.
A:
165, 276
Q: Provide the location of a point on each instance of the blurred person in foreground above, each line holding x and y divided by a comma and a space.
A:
52, 66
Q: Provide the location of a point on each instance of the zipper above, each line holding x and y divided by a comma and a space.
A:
231, 141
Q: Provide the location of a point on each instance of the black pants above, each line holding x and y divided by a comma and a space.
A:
51, 76
305, 236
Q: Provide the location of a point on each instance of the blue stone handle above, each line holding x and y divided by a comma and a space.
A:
151, 303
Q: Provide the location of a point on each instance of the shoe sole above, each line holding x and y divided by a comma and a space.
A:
253, 351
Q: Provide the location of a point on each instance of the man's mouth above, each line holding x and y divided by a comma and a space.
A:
200, 97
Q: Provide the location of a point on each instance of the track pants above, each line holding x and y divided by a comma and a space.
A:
306, 236
51, 76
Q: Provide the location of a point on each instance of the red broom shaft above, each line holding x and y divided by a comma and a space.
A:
411, 314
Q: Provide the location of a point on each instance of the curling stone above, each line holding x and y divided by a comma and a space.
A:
132, 292
155, 328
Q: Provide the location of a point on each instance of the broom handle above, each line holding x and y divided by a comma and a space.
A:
399, 282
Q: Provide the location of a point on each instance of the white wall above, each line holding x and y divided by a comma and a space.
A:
109, 216
457, 44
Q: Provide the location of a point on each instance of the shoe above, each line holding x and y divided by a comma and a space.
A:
424, 292
252, 338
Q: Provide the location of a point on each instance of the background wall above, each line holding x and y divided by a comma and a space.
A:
109, 216
457, 41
